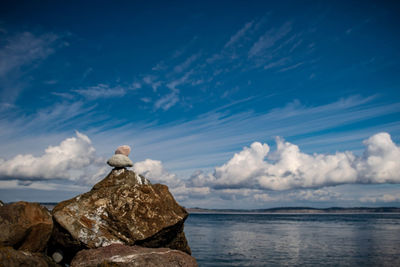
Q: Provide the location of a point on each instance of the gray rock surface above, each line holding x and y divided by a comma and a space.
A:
121, 255
120, 161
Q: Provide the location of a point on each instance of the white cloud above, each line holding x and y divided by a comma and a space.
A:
57, 162
101, 91
381, 160
247, 163
156, 173
289, 168
258, 175
254, 175
256, 169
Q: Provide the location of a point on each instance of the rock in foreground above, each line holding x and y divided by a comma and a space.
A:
10, 257
25, 226
123, 208
121, 255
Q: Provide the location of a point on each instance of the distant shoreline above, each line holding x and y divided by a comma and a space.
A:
297, 210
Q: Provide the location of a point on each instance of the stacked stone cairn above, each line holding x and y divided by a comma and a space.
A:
124, 220
120, 158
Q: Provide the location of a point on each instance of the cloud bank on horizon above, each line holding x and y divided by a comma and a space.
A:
253, 170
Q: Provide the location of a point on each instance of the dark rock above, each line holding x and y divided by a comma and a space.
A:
10, 257
124, 208
62, 242
121, 255
25, 226
1, 203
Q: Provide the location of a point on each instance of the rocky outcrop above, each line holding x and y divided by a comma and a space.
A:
25, 226
121, 255
124, 208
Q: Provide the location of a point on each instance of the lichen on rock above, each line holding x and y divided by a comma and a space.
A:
123, 208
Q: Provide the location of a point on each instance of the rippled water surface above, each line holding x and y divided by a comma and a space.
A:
294, 240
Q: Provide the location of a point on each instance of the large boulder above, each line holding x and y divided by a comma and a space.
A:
121, 255
123, 208
11, 257
25, 226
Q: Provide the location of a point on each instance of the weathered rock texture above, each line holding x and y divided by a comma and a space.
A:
10, 257
123, 208
121, 255
25, 226
119, 161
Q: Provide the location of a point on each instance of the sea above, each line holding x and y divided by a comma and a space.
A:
370, 239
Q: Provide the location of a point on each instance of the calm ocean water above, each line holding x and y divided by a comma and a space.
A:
295, 239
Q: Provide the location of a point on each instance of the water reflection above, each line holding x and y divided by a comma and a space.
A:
294, 240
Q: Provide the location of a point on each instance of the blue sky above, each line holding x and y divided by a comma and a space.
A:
188, 85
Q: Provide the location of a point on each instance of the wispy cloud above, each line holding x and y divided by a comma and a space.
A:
277, 63
239, 34
101, 91
269, 39
20, 53
294, 66
24, 49
184, 65
151, 80
167, 101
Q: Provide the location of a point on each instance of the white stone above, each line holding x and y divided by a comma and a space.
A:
57, 257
